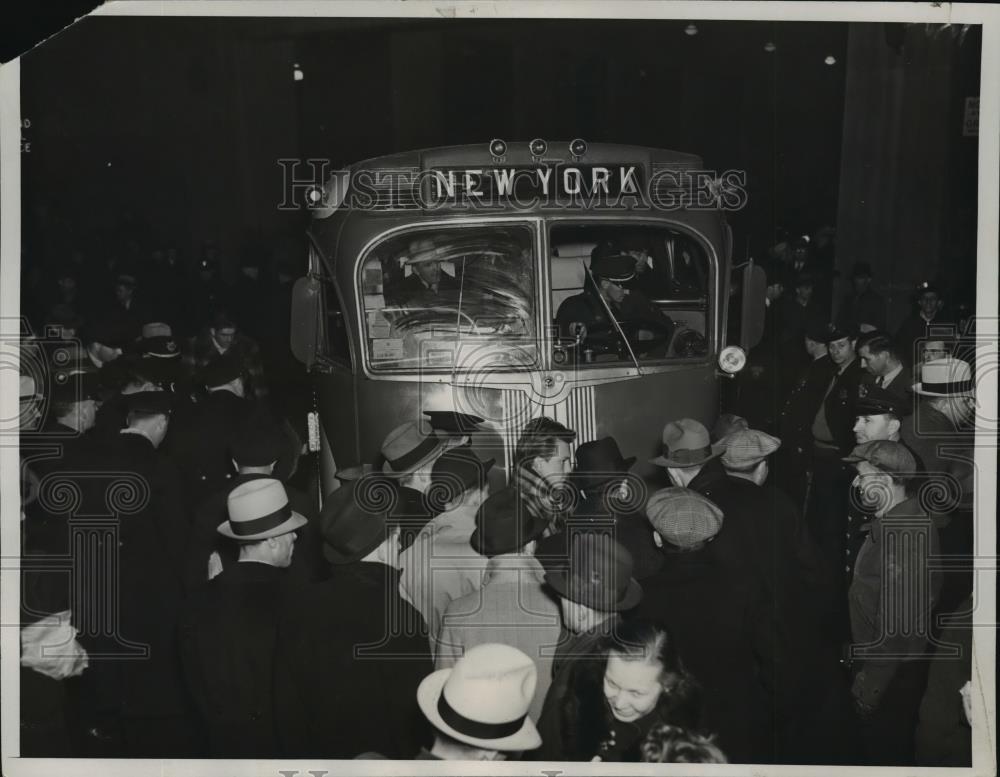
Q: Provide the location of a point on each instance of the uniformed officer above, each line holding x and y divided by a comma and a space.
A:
585, 316
833, 437
880, 414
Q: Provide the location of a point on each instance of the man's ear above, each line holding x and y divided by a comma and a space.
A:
657, 539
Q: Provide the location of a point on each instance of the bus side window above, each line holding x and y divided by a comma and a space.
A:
335, 337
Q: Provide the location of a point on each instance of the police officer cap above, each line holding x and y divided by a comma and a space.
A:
927, 287
609, 261
221, 371
874, 400
75, 387
158, 402
834, 332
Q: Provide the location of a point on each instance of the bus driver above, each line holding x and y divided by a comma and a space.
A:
585, 315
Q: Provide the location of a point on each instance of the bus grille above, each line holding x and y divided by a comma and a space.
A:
577, 412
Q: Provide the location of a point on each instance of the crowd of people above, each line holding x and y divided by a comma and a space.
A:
732, 609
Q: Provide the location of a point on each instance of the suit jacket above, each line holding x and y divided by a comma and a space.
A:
803, 401
941, 449
350, 656
511, 608
228, 635
839, 406
411, 292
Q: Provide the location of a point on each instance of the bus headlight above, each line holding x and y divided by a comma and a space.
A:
732, 359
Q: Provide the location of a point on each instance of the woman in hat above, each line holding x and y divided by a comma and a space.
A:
634, 682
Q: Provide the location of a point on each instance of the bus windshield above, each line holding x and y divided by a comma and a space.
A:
626, 293
440, 299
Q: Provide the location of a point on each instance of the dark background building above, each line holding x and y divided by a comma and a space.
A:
150, 132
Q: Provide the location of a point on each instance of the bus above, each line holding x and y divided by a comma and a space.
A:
439, 279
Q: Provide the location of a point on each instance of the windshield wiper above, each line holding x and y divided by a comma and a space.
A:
607, 309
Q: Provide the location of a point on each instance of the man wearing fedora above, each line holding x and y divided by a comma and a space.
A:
427, 282
942, 437
351, 651
610, 500
479, 707
512, 607
230, 626
255, 452
441, 565
889, 644
692, 461
943, 418
731, 651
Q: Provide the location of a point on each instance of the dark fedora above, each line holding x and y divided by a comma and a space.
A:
686, 444
599, 575
406, 450
504, 525
600, 461
349, 528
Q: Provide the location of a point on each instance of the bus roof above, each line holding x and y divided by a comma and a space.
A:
518, 154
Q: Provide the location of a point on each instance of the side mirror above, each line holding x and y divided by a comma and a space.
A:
306, 321
753, 307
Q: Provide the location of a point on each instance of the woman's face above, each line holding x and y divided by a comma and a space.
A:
632, 688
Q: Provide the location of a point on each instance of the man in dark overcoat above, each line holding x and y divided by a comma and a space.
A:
351, 651
229, 629
135, 697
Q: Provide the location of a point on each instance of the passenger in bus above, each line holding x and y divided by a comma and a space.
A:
428, 284
585, 315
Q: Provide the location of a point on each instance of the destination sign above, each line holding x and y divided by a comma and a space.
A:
495, 185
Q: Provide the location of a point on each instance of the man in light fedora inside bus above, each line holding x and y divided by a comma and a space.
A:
427, 283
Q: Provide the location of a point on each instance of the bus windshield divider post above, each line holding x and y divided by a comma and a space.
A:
458, 324
614, 320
